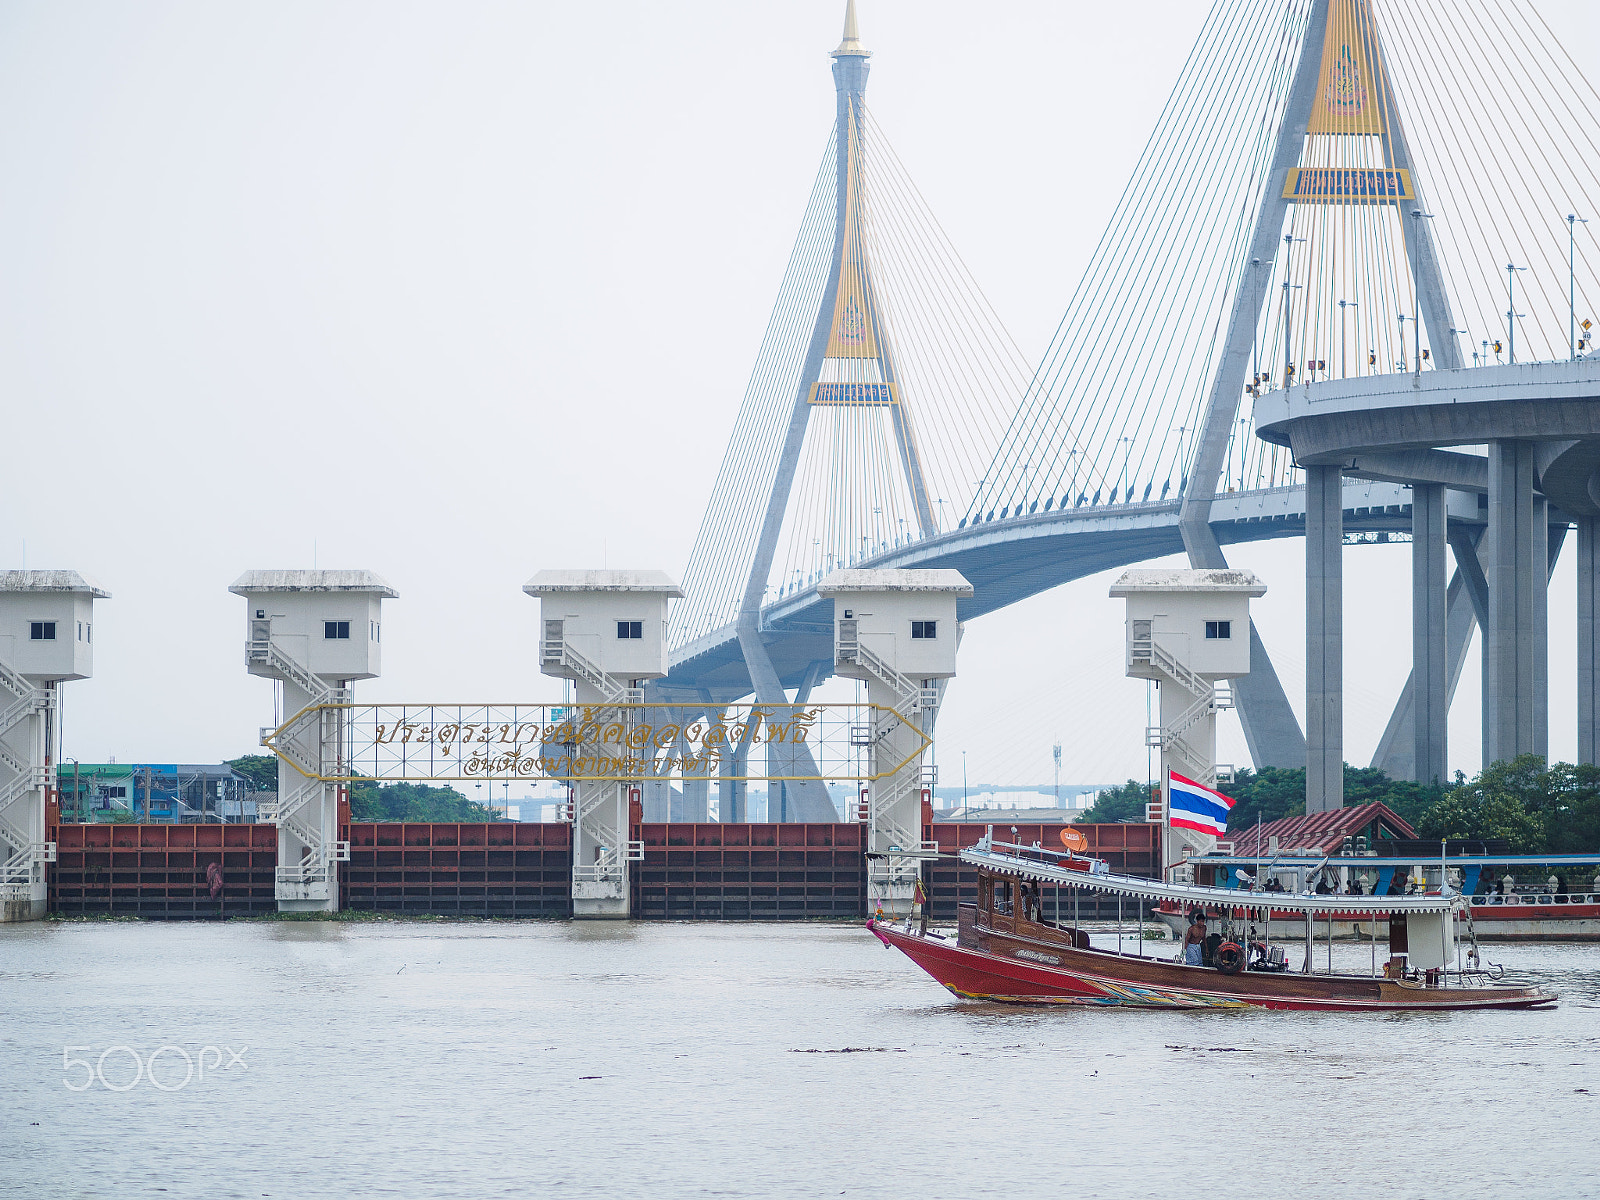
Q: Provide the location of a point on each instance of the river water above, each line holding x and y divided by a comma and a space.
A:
532, 1059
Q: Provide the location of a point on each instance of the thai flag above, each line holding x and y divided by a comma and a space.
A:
1192, 805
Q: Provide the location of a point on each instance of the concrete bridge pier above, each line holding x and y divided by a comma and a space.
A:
1589, 639
694, 806
1324, 638
1515, 642
1430, 641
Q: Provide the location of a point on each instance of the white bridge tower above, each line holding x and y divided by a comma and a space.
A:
607, 632
897, 631
315, 632
46, 636
1188, 631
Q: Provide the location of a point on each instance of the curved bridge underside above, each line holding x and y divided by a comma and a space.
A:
1010, 560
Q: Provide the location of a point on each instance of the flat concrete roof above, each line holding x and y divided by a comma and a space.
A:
252, 582
1133, 582
555, 583
938, 579
50, 581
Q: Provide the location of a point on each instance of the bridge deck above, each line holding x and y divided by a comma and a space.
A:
1012, 559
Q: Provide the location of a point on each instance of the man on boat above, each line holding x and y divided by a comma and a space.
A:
1194, 939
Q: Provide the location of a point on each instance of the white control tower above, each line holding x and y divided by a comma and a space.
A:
316, 633
607, 632
896, 630
1187, 630
46, 637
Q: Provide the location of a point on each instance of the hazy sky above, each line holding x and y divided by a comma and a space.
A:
456, 292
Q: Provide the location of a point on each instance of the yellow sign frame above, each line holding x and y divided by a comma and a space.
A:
502, 736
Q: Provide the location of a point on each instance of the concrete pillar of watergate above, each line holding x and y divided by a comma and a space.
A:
607, 632
314, 633
897, 631
46, 638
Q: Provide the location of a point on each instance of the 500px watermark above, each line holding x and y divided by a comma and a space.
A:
178, 1068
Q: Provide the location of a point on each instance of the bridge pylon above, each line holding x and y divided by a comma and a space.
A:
1342, 142
879, 390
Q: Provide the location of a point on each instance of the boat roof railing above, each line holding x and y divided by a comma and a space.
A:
1284, 859
1025, 862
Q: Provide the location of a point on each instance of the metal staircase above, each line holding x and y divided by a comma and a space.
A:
1209, 699
22, 854
291, 811
915, 700
848, 648
558, 656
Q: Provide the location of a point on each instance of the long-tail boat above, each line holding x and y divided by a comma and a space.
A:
1006, 950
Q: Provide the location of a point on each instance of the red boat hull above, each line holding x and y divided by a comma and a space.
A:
1005, 974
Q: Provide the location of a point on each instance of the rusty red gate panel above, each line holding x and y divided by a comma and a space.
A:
761, 872
161, 870
482, 869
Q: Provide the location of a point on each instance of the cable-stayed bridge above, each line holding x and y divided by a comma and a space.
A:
1335, 190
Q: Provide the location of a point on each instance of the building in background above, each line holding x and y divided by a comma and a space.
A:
182, 793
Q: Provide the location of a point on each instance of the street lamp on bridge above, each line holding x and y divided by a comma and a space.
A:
1417, 217
1511, 311
1343, 358
1573, 221
1288, 347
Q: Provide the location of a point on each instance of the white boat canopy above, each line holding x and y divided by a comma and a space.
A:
1190, 893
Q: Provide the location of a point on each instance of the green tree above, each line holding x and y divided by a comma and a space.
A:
414, 802
1270, 793
1571, 808
260, 769
1367, 785
1551, 808
1125, 802
1470, 812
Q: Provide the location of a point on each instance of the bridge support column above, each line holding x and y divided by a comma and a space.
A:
1430, 648
1589, 640
695, 806
1394, 753
733, 792
1514, 640
1324, 638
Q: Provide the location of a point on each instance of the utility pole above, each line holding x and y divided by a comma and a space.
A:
1056, 751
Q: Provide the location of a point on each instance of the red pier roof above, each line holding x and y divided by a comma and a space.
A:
1324, 833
